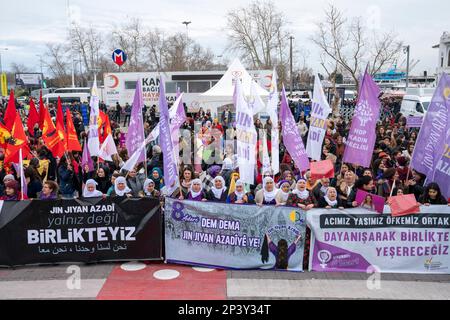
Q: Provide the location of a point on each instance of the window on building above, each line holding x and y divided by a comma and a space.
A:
130, 85
199, 87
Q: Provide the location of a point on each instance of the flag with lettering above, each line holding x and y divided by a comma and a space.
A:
361, 139
272, 110
177, 118
433, 135
94, 141
169, 160
246, 137
136, 136
291, 135
318, 122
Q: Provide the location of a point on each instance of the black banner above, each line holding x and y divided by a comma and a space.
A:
365, 221
80, 230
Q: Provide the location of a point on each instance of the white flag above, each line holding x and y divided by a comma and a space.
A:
108, 149
272, 110
133, 160
93, 141
318, 123
266, 165
256, 103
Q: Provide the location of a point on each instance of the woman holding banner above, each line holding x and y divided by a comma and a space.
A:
267, 195
301, 197
218, 192
239, 196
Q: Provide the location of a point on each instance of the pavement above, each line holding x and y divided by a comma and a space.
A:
159, 281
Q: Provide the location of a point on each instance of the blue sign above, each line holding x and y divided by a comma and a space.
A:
119, 57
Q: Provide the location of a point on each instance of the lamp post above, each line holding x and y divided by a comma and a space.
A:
2, 49
187, 23
291, 66
42, 73
406, 50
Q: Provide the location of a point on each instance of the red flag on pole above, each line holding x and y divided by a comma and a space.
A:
104, 126
73, 144
10, 113
41, 112
50, 135
17, 141
33, 118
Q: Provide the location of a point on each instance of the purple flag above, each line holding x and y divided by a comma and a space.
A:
434, 132
170, 166
136, 135
23, 181
86, 158
361, 139
291, 136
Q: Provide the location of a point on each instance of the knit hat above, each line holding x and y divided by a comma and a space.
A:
9, 177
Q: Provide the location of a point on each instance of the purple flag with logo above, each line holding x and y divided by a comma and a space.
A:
361, 139
433, 135
86, 158
170, 166
136, 135
291, 136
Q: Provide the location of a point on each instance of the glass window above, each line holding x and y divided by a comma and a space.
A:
425, 105
199, 87
182, 85
419, 108
130, 85
171, 87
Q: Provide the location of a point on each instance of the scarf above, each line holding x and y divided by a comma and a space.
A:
218, 192
193, 193
269, 196
301, 194
146, 183
91, 194
330, 203
239, 195
116, 188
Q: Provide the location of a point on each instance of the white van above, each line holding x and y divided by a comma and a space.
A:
416, 102
66, 97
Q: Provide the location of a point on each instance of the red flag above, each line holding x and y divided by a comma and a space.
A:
73, 144
322, 169
10, 113
403, 205
17, 141
41, 112
50, 135
60, 122
104, 127
33, 118
5, 135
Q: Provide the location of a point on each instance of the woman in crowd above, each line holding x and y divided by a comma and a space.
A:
267, 195
301, 197
196, 192
432, 195
331, 200
121, 189
239, 196
283, 192
65, 178
49, 191
186, 181
90, 190
218, 192
149, 190
12, 192
102, 179
34, 184
114, 176
135, 181
157, 177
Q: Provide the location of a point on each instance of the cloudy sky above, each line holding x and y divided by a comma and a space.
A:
26, 25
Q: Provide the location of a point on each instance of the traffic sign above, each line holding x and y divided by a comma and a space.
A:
119, 57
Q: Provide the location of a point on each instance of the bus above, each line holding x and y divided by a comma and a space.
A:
120, 87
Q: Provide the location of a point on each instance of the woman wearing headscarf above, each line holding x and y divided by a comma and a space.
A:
239, 196
90, 190
12, 192
331, 200
283, 192
121, 189
157, 177
301, 197
149, 190
266, 196
218, 192
196, 192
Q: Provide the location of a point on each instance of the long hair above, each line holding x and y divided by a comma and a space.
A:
432, 186
282, 258
265, 250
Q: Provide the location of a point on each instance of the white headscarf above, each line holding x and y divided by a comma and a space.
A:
284, 195
301, 194
239, 195
218, 192
146, 183
193, 193
269, 196
116, 188
330, 203
91, 194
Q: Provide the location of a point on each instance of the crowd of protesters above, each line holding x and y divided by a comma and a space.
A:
389, 174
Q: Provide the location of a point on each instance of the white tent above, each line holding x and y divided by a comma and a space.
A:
222, 93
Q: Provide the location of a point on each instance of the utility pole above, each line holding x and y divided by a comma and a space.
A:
291, 67
187, 23
406, 50
42, 73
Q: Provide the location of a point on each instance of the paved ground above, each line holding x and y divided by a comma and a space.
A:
164, 282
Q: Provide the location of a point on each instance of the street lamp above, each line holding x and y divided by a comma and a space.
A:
42, 73
187, 23
406, 50
2, 49
291, 66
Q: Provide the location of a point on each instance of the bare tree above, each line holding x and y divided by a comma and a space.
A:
58, 63
259, 34
155, 46
347, 44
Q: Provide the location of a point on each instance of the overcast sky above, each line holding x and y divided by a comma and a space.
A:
26, 25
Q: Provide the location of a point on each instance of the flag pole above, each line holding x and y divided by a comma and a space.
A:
22, 179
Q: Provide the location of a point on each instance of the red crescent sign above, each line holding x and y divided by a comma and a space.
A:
116, 81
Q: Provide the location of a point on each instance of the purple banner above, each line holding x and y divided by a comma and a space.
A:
291, 136
361, 139
136, 135
414, 122
122, 140
434, 131
170, 166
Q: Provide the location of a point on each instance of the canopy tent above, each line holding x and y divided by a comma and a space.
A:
222, 93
